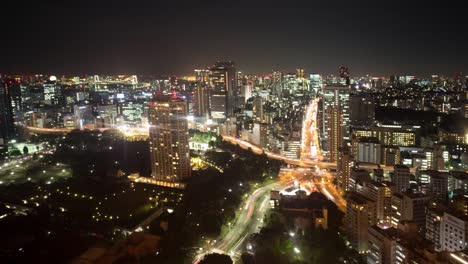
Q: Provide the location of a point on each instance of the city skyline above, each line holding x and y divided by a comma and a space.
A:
163, 39
208, 132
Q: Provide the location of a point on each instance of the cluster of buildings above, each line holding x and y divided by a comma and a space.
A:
398, 174
392, 222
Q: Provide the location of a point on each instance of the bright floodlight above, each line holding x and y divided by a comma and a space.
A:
296, 250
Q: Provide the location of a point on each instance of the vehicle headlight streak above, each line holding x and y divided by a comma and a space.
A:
310, 140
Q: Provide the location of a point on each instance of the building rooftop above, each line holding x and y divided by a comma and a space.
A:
400, 166
168, 98
357, 198
415, 195
460, 175
381, 184
369, 140
388, 232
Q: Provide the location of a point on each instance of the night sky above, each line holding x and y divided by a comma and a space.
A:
158, 39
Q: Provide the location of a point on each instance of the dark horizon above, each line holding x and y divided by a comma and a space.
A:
155, 39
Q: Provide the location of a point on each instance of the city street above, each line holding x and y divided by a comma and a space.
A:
257, 150
249, 220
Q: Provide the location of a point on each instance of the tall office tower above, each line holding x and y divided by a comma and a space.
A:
13, 89
300, 74
390, 135
344, 74
345, 163
289, 83
401, 178
7, 109
315, 83
83, 116
390, 155
338, 98
362, 110
360, 215
52, 92
440, 184
397, 209
369, 150
202, 76
454, 232
258, 109
247, 91
202, 100
382, 243
409, 206
223, 81
335, 132
169, 147
381, 193
277, 85
434, 217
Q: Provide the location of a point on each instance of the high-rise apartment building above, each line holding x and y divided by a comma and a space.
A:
369, 150
362, 110
258, 109
454, 232
8, 104
433, 223
409, 206
381, 193
360, 215
401, 178
202, 100
335, 132
316, 83
344, 165
168, 133
382, 243
391, 155
336, 97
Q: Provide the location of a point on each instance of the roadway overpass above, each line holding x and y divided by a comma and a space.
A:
302, 163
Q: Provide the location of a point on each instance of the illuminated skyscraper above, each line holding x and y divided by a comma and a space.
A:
259, 109
300, 74
277, 85
368, 150
335, 132
344, 165
344, 74
401, 178
169, 147
335, 102
202, 76
223, 81
10, 103
360, 215
52, 92
315, 83
202, 100
362, 110
247, 91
